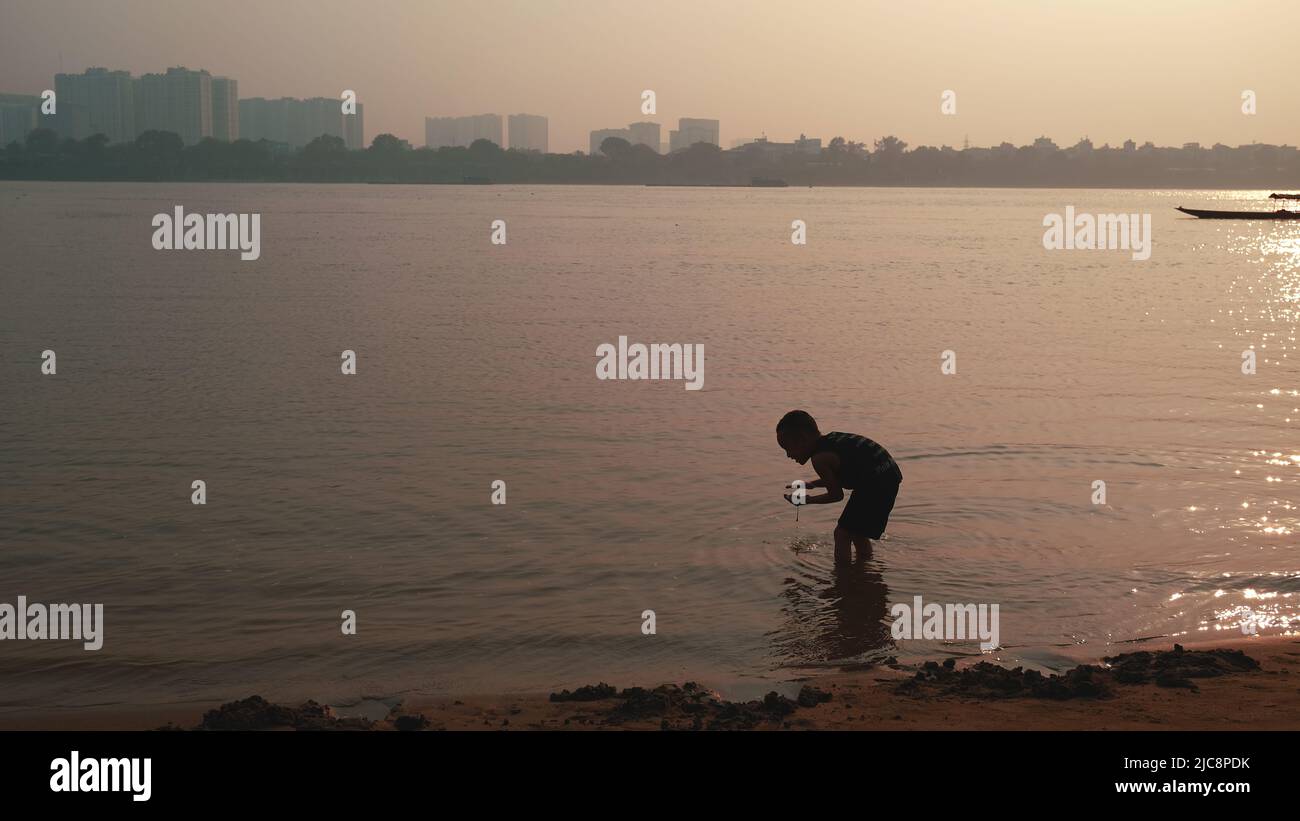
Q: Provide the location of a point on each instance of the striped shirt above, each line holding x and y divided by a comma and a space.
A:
862, 461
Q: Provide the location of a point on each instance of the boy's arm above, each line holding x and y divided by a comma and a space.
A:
812, 483
827, 465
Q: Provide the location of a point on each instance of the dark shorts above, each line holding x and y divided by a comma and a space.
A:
867, 511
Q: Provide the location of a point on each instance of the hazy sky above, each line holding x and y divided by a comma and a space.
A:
1170, 71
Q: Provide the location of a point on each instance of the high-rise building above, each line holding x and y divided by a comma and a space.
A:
191, 104
646, 134
97, 101
439, 131
296, 122
19, 116
225, 109
179, 101
354, 129
321, 116
255, 119
461, 131
691, 131
528, 132
601, 134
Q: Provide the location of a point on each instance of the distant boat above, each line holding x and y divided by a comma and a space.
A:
1284, 196
767, 182
1280, 214
476, 181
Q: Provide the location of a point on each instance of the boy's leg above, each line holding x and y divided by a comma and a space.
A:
862, 543
865, 516
843, 545
854, 524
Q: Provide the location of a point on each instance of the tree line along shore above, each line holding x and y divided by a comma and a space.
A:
162, 156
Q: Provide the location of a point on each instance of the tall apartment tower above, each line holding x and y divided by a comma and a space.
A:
263, 119
691, 131
255, 119
354, 129
320, 116
599, 136
298, 122
528, 132
461, 131
439, 131
179, 101
225, 109
97, 101
19, 116
483, 127
646, 134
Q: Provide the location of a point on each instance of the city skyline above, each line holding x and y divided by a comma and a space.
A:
194, 104
843, 69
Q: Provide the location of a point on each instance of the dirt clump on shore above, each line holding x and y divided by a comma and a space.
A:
589, 692
693, 707
256, 713
1166, 668
1177, 667
987, 680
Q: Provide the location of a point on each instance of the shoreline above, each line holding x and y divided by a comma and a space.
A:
962, 694
870, 699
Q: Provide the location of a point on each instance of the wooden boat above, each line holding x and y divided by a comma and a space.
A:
1284, 196
1280, 214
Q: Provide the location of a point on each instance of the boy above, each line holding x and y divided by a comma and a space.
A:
844, 460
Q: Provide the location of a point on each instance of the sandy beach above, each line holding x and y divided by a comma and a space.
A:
1267, 698
1244, 684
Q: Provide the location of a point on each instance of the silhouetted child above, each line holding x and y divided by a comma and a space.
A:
844, 461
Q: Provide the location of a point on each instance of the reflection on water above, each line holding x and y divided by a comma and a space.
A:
833, 612
1251, 510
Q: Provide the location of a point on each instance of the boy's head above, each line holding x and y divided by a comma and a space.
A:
797, 433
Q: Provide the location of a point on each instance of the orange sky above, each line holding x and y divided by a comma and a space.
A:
1171, 71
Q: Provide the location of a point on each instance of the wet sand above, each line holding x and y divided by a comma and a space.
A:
1267, 698
1248, 684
